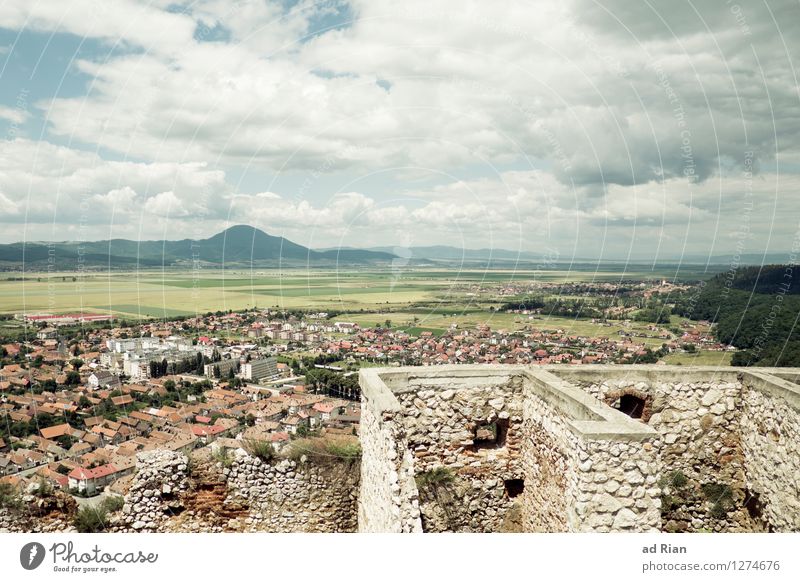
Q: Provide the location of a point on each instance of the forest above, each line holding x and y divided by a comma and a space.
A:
756, 309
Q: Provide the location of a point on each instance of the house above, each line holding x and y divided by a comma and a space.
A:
90, 481
53, 432
103, 379
207, 434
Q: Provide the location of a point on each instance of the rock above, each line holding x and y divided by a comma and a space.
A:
605, 503
712, 396
625, 519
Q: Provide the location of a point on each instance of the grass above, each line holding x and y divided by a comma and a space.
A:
700, 358
223, 457
91, 519
113, 503
9, 497
260, 449
324, 450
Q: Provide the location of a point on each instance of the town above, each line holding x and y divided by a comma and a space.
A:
84, 393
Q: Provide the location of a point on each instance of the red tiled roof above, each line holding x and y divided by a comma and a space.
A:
83, 474
207, 430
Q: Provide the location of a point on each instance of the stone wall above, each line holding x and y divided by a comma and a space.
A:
721, 465
500, 448
770, 437
170, 494
471, 427
590, 468
585, 448
155, 492
296, 497
388, 499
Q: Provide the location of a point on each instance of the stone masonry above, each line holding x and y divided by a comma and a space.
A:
579, 448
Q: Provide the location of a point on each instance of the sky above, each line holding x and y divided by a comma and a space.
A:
644, 129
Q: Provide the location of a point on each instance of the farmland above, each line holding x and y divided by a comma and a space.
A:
170, 293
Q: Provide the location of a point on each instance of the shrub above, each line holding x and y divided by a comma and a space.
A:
437, 477
260, 449
44, 488
222, 456
326, 450
9, 497
112, 503
90, 519
720, 496
675, 480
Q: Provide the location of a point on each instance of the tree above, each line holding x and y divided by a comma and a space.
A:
73, 378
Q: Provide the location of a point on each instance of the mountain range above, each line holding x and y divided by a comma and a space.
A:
235, 246
244, 245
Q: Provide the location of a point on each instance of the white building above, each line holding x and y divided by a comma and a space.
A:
255, 370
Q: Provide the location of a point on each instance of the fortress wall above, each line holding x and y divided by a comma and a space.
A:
697, 415
525, 452
295, 497
470, 426
387, 500
770, 434
587, 468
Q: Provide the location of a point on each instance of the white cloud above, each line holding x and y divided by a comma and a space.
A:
471, 84
14, 115
55, 189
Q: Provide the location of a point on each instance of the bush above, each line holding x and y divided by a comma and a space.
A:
720, 496
90, 519
112, 503
437, 477
222, 456
260, 449
9, 497
675, 480
44, 488
326, 450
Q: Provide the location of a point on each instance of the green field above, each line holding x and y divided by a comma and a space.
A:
169, 293
437, 298
701, 358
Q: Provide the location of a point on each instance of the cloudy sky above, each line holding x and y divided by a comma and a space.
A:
577, 128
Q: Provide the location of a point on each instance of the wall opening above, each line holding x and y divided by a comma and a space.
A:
490, 435
514, 487
632, 405
755, 509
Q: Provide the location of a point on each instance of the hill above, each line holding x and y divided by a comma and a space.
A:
756, 309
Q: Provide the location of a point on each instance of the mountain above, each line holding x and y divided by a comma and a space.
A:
239, 245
